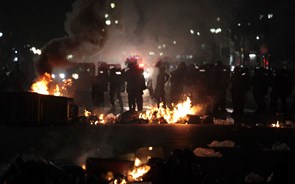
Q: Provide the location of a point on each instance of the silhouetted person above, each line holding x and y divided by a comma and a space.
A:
260, 84
161, 79
220, 84
191, 82
240, 84
178, 82
116, 83
281, 88
99, 86
135, 85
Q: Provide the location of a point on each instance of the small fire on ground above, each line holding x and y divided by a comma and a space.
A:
44, 85
179, 113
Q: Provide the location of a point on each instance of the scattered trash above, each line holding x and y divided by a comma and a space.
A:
227, 121
206, 152
277, 146
290, 124
110, 118
253, 178
224, 144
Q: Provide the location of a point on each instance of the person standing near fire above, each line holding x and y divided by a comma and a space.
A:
240, 84
178, 82
161, 79
99, 86
135, 84
115, 86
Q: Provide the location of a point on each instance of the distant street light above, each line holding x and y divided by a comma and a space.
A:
113, 5
108, 22
215, 31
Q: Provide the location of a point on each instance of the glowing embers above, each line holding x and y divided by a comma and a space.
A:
44, 85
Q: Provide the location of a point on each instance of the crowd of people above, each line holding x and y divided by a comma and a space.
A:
214, 86
117, 80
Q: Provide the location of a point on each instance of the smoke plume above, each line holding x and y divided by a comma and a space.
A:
86, 35
151, 29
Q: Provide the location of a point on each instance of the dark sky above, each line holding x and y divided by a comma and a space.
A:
39, 20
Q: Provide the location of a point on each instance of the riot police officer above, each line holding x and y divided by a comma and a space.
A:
135, 85
115, 86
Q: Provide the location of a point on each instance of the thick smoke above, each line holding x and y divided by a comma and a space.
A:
147, 25
148, 28
86, 35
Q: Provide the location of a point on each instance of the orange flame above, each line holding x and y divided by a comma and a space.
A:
42, 86
178, 114
138, 171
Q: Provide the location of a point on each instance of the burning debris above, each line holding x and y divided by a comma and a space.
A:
180, 113
44, 85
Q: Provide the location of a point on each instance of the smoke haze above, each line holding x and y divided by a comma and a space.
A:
148, 28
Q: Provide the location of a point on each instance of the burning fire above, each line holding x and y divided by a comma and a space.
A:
138, 171
276, 125
43, 86
154, 115
179, 113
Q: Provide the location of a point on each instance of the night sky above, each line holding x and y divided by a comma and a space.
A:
40, 21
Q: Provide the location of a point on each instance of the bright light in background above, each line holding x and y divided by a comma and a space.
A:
151, 53
70, 56
36, 51
192, 31
113, 5
108, 22
1, 34
252, 56
75, 76
62, 75
218, 30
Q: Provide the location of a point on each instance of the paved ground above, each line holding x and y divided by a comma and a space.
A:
249, 117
